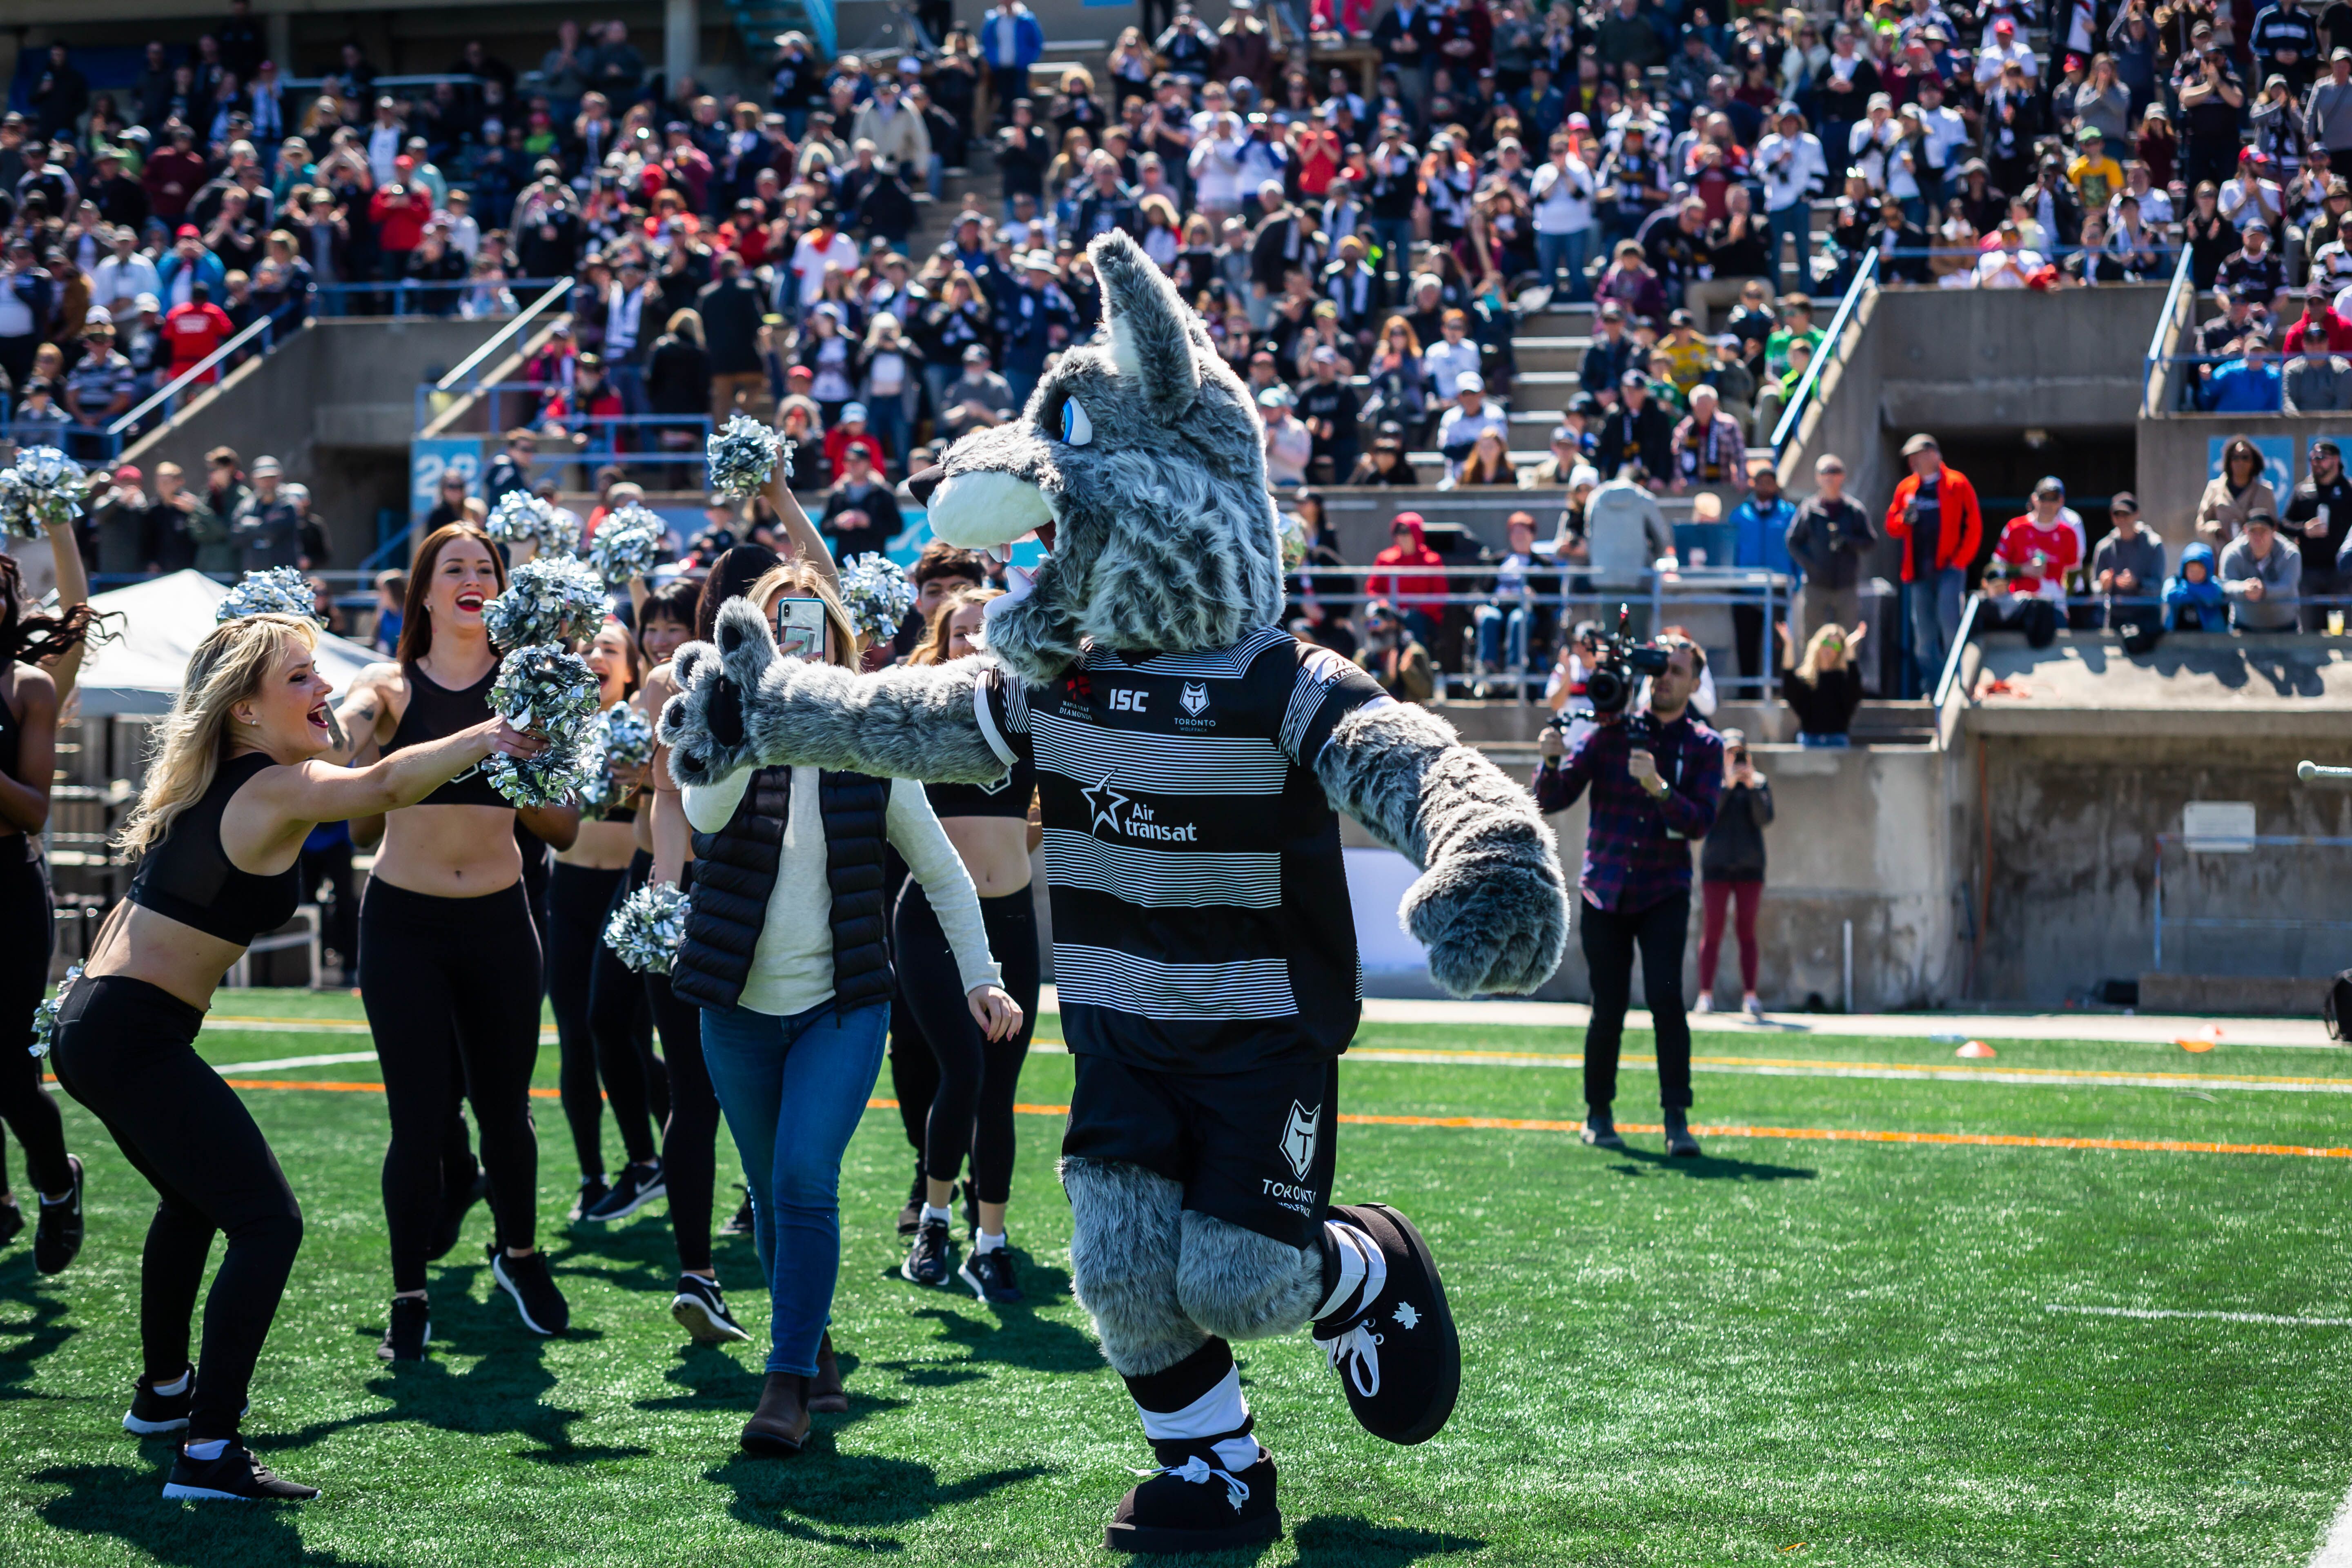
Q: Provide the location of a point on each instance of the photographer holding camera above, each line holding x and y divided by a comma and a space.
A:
1656, 778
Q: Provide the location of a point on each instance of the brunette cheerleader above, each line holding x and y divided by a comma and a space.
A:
602, 1026
40, 655
236, 787
971, 1102
449, 959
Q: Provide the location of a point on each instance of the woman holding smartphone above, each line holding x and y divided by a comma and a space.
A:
784, 950
242, 775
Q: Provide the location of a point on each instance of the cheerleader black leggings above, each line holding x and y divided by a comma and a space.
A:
452, 989
971, 1104
25, 1106
603, 1026
689, 1145
126, 1050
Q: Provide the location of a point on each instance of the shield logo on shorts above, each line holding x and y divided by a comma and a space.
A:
1298, 1138
1195, 698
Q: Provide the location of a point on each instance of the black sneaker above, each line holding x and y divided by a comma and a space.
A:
543, 1309
910, 1219
1600, 1131
12, 1222
1190, 1504
58, 1235
235, 1477
594, 1190
1396, 1355
455, 1202
702, 1311
638, 1185
932, 1257
741, 1224
154, 1414
990, 1275
410, 1331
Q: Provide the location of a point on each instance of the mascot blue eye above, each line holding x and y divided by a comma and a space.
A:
1076, 430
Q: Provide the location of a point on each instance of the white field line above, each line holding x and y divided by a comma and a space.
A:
343, 1058
2269, 1318
2336, 1552
1893, 1073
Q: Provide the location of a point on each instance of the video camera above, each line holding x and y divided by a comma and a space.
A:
1624, 660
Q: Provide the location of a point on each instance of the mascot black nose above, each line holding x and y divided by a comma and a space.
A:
920, 484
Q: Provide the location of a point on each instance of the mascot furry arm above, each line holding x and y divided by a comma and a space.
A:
1490, 905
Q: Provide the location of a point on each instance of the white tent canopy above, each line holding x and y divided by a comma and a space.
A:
159, 622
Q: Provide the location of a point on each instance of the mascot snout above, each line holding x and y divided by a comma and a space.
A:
983, 508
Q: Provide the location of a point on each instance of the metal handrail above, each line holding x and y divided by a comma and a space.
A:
165, 393
1863, 277
2164, 322
1951, 673
467, 365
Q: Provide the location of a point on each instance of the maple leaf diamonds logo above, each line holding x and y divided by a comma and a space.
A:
1298, 1138
1195, 698
1407, 1319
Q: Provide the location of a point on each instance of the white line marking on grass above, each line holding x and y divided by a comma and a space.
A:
344, 1058
2342, 1525
2336, 1552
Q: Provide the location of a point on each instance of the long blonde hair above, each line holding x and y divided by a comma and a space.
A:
1817, 654
228, 666
933, 648
800, 579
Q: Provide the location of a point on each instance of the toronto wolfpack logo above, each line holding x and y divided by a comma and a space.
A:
1298, 1138
1194, 698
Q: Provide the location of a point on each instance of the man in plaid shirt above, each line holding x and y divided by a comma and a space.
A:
1656, 783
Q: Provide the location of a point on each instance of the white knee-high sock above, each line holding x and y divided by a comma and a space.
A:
1221, 1409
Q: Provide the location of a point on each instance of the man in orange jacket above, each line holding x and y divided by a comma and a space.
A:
1935, 515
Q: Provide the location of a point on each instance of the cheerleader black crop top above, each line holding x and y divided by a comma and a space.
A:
1008, 797
188, 875
435, 710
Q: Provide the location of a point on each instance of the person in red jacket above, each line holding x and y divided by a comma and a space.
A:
1419, 597
194, 330
400, 212
2041, 547
1935, 515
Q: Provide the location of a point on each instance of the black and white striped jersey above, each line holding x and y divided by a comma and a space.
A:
1201, 915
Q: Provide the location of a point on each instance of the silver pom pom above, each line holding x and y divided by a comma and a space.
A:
878, 597
280, 591
623, 738
521, 515
549, 599
743, 457
44, 487
44, 1017
645, 930
547, 692
626, 543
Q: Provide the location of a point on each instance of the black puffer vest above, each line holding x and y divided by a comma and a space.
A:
735, 870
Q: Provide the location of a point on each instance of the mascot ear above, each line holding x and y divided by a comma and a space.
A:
1147, 337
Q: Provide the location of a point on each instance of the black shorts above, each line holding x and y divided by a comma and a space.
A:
1255, 1148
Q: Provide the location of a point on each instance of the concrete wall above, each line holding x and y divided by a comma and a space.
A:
336, 404
2010, 359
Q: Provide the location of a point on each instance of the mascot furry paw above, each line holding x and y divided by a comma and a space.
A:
1190, 755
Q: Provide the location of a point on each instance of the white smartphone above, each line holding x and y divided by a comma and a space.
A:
800, 628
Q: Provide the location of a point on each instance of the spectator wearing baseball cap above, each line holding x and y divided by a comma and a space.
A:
2317, 521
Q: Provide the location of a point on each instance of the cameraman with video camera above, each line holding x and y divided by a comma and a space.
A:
1656, 778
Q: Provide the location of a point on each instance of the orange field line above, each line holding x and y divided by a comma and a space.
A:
1519, 1124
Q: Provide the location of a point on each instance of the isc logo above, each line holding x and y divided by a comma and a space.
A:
1127, 700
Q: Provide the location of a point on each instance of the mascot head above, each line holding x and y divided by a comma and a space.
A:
1141, 465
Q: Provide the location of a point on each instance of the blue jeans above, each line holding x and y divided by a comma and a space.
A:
794, 1089
1567, 252
1934, 613
1502, 637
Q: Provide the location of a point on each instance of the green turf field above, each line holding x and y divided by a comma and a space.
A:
1795, 1350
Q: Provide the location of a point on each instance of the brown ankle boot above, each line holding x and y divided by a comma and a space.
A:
826, 1393
780, 1426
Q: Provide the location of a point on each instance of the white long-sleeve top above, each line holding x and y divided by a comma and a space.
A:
792, 966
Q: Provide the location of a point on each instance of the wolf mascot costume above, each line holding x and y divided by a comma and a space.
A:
1189, 755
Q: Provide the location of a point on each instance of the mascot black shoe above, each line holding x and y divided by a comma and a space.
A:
1385, 1327
1192, 760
